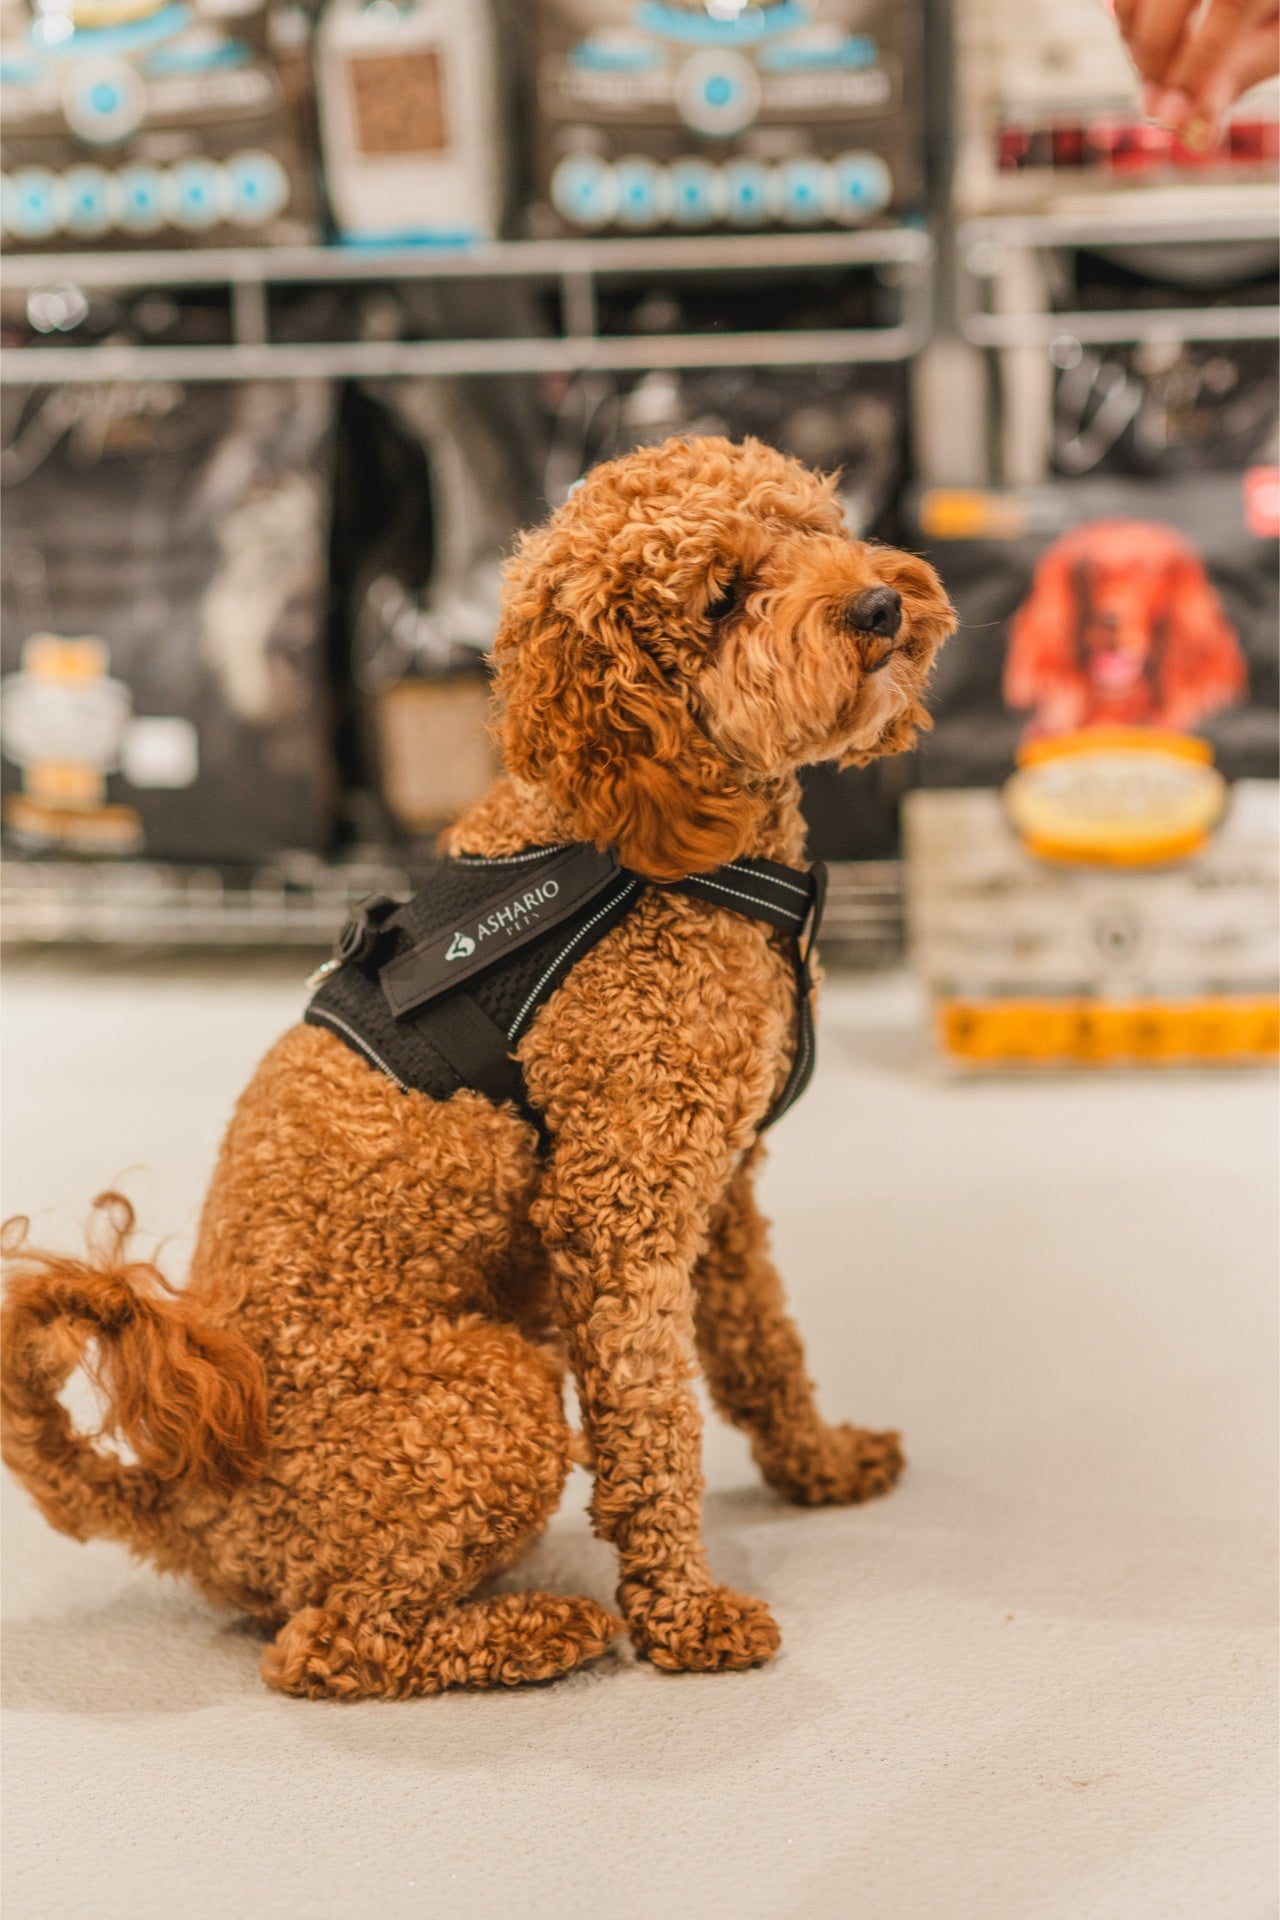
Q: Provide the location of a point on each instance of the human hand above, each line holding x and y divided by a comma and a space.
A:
1195, 63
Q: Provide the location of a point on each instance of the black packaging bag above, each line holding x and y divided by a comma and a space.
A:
164, 603
436, 477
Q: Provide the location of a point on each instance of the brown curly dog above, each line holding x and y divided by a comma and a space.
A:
352, 1415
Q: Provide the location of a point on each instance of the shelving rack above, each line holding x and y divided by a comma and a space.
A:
902, 256
990, 249
996, 300
300, 903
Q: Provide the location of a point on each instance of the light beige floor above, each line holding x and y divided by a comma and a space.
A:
1037, 1684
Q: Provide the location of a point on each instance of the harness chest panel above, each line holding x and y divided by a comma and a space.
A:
436, 992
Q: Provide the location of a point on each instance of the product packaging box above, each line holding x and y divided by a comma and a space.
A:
131, 123
691, 114
164, 604
1093, 853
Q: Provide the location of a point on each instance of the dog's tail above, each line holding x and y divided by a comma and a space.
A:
188, 1400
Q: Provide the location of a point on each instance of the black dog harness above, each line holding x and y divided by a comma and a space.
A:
436, 991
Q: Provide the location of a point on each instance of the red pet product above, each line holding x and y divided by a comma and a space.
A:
1122, 628
1042, 90
1093, 851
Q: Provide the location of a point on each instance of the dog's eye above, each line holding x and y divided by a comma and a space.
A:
722, 604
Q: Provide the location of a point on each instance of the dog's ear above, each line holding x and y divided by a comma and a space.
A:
592, 716
1201, 664
1042, 666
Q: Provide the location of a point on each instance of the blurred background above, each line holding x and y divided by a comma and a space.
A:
307, 311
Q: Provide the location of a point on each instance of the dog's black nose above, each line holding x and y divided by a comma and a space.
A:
879, 610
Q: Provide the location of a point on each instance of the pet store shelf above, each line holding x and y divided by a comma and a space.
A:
297, 903
577, 267
988, 248
301, 902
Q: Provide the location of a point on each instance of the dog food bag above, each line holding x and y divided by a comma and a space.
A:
164, 598
688, 114
132, 123
431, 499
1093, 848
409, 112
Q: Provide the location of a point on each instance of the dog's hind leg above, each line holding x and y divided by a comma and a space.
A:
385, 1511
500, 1642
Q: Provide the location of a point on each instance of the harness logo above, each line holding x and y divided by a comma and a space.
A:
513, 917
517, 913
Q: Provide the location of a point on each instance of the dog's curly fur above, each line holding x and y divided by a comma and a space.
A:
352, 1415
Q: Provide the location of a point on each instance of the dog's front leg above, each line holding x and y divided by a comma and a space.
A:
754, 1364
622, 1237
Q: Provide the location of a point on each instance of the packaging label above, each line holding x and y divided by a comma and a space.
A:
1116, 797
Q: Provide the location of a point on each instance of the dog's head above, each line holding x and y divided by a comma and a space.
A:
694, 622
1122, 618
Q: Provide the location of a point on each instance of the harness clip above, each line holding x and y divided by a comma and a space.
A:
364, 927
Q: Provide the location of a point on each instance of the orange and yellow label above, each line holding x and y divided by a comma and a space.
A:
1083, 1032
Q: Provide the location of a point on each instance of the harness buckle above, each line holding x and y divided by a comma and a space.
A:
363, 927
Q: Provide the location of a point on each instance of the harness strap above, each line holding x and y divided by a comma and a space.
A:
475, 1046
761, 889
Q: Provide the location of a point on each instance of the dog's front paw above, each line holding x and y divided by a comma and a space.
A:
703, 1630
846, 1465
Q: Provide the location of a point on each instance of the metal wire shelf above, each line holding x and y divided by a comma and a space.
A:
576, 267
301, 902
985, 245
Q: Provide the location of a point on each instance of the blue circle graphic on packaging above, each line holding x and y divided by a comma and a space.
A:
718, 93
84, 195
103, 101
138, 199
747, 197
31, 210
862, 185
697, 193
802, 188
584, 190
194, 193
259, 188
641, 190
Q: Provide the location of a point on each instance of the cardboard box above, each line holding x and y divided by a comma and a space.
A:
1037, 962
435, 753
